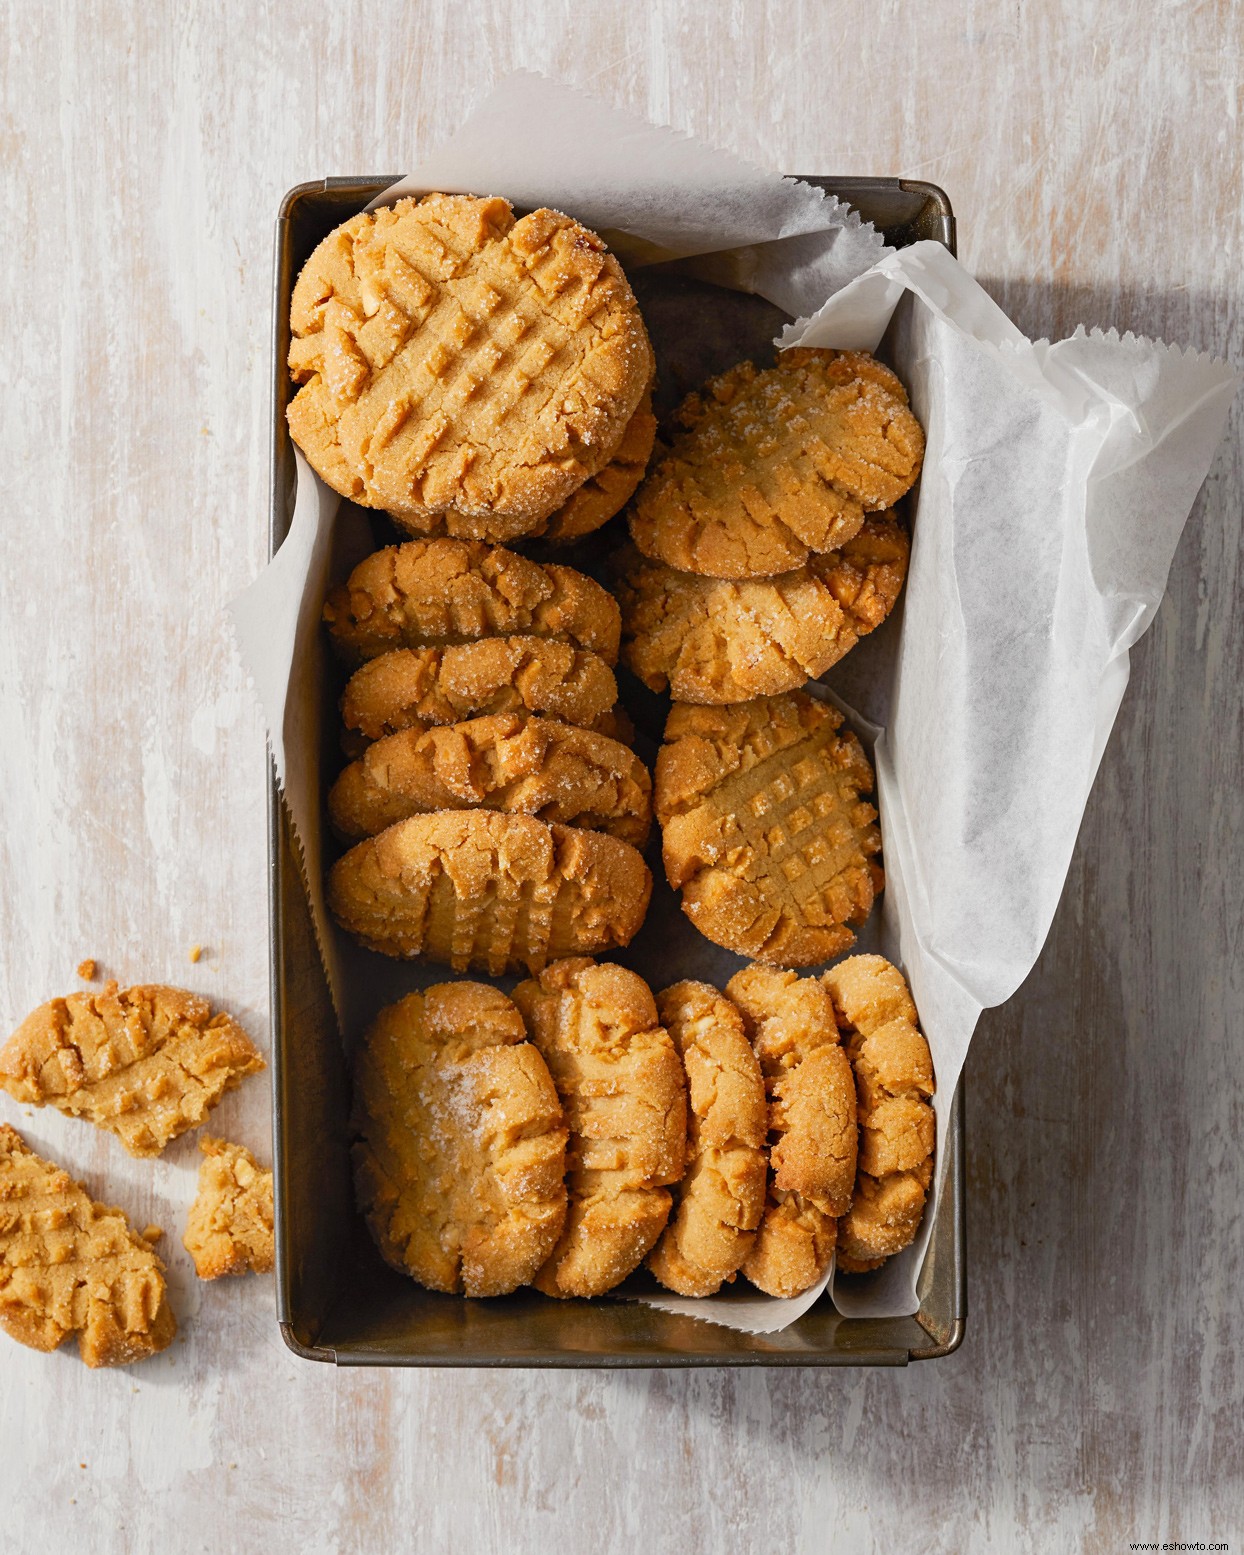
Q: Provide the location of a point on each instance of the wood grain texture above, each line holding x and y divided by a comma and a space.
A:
1092, 154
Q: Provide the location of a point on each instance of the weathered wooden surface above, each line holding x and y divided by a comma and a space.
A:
1092, 154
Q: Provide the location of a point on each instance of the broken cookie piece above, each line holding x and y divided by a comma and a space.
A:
71, 1266
145, 1063
229, 1229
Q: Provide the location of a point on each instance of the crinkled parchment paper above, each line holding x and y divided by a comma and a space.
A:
1056, 482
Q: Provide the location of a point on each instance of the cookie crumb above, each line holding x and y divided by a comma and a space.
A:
88, 970
196, 952
152, 1234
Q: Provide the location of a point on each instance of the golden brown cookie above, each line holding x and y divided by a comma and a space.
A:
763, 828
712, 640
719, 1202
462, 1144
893, 1080
812, 1107
502, 893
433, 593
771, 466
461, 369
71, 1266
812, 1125
793, 1246
522, 765
229, 1227
145, 1063
611, 488
622, 1087
416, 688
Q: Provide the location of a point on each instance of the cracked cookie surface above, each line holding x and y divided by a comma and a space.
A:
414, 688
764, 830
146, 1063
461, 369
611, 488
622, 1086
812, 1125
437, 593
770, 466
893, 1080
714, 640
477, 888
461, 1151
522, 766
720, 1199
229, 1229
71, 1266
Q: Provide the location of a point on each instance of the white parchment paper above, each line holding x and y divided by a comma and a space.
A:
1056, 481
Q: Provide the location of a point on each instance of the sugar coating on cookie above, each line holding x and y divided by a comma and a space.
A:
461, 1144
718, 1203
764, 827
893, 1080
71, 1266
768, 466
611, 488
521, 765
622, 1086
812, 1107
501, 893
415, 688
716, 640
459, 368
146, 1063
793, 1246
434, 593
229, 1229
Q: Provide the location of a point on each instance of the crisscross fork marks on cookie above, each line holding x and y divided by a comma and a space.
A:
480, 888
146, 1063
445, 592
716, 640
463, 370
764, 828
71, 1266
792, 815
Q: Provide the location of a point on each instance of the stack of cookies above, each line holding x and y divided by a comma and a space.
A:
481, 379
502, 816
765, 545
470, 374
564, 1136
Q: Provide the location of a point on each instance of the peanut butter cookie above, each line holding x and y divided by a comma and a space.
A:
893, 1081
793, 1247
763, 828
145, 1063
712, 640
462, 1145
229, 1228
434, 593
622, 1086
812, 1125
71, 1266
771, 466
461, 369
524, 766
719, 1202
415, 688
502, 893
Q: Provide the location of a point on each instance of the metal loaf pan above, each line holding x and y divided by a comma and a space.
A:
336, 1300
